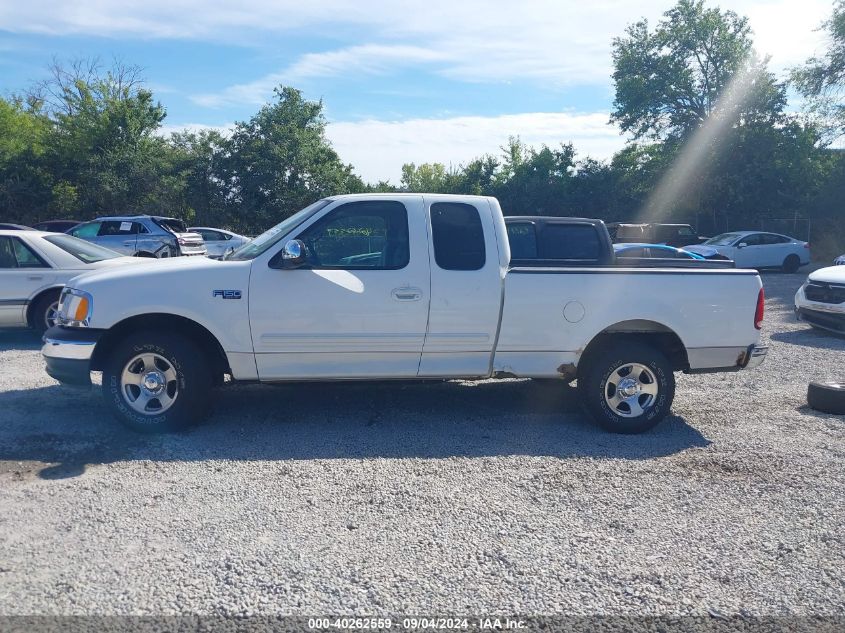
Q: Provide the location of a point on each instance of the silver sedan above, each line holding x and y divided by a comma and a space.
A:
218, 241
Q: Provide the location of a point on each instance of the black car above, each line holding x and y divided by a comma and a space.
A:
677, 235
5, 226
56, 226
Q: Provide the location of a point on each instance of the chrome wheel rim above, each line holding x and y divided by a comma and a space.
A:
51, 314
149, 384
630, 390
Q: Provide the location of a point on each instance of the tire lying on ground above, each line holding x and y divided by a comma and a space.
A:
828, 397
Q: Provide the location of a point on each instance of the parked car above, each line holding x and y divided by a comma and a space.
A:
218, 241
141, 236
5, 226
555, 242
653, 233
755, 249
56, 226
385, 286
839, 261
653, 250
821, 300
33, 268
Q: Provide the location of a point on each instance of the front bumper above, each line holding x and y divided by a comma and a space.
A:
825, 319
67, 353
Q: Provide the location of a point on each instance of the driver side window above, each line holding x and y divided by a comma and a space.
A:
369, 235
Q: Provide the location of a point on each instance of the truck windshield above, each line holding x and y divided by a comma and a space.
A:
268, 238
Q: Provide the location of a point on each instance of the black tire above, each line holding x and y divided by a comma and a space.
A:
193, 385
791, 264
40, 309
603, 367
828, 397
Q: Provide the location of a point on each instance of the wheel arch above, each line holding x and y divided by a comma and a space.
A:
207, 341
659, 336
35, 299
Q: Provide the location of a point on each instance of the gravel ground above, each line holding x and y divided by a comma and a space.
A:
438, 498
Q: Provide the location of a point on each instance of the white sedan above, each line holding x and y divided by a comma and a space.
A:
756, 249
821, 300
218, 241
34, 266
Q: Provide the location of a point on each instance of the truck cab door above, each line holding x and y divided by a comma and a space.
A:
357, 307
466, 289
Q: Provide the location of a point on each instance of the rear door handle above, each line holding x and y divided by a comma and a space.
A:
35, 277
407, 294
130, 243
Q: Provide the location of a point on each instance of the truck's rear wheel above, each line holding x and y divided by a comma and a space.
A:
156, 382
628, 388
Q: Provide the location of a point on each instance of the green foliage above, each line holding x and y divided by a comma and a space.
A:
669, 81
822, 79
280, 161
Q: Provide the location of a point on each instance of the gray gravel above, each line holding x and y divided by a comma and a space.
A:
438, 498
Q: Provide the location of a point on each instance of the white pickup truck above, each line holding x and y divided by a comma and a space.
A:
402, 286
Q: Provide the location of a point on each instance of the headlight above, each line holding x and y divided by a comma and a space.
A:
75, 308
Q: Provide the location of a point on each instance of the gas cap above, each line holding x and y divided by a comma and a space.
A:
573, 311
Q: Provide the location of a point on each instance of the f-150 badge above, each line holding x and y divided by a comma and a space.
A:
226, 294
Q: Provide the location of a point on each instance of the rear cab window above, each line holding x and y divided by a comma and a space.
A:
457, 236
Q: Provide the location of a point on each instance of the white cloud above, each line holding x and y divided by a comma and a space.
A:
368, 59
377, 149
549, 41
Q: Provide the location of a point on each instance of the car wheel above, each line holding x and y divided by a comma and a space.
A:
791, 264
44, 312
628, 388
155, 382
828, 397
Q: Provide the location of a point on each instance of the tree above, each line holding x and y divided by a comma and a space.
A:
25, 180
280, 161
822, 79
670, 81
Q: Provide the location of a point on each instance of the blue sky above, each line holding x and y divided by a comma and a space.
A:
402, 81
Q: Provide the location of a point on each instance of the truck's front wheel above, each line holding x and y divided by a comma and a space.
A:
156, 382
628, 388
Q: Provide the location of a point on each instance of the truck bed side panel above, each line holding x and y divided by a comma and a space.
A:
551, 315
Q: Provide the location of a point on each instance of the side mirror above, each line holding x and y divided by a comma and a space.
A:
293, 254
741, 245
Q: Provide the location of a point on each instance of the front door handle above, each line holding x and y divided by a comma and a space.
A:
128, 243
407, 294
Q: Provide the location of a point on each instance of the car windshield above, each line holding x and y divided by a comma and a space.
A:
722, 240
83, 251
268, 238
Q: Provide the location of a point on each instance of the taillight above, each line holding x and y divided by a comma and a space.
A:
758, 313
